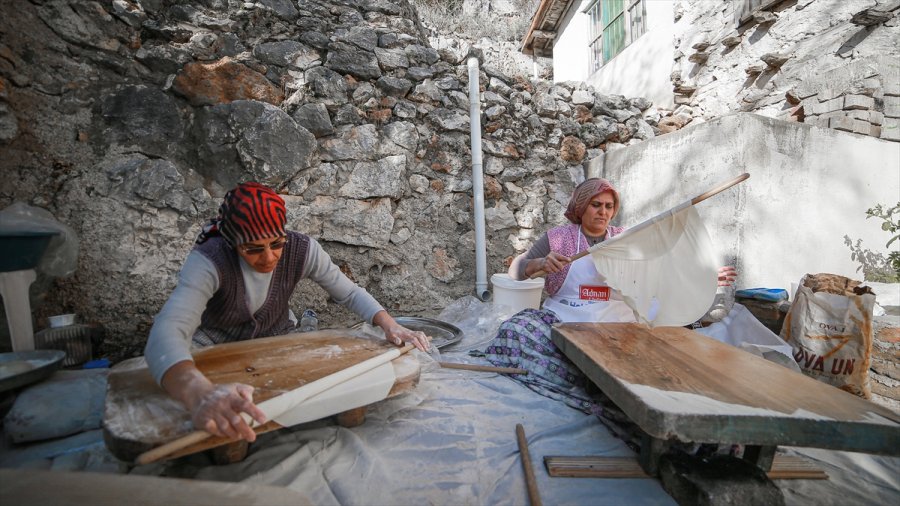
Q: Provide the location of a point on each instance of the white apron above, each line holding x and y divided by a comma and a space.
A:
585, 297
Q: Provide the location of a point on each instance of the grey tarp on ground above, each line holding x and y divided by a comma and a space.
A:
452, 441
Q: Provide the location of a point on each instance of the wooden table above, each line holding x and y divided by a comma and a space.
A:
677, 384
139, 415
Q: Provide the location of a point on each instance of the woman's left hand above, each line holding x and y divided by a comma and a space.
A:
398, 334
727, 275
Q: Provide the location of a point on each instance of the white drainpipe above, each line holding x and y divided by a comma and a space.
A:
481, 285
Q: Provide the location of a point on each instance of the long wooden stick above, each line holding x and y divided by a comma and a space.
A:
279, 405
699, 198
482, 368
533, 496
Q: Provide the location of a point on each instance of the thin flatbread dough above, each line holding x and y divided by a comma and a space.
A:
665, 268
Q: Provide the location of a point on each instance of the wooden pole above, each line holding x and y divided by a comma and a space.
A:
482, 368
533, 496
279, 405
699, 198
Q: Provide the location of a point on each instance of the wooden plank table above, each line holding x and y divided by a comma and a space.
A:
677, 384
139, 415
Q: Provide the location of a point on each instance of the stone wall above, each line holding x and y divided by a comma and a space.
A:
128, 120
830, 63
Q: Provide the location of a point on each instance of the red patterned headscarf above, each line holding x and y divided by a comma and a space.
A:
581, 197
248, 213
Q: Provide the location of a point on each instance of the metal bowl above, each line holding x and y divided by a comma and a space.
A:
22, 368
441, 333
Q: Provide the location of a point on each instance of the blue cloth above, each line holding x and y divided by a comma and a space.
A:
767, 294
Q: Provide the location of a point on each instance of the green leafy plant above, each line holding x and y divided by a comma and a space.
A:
875, 266
891, 225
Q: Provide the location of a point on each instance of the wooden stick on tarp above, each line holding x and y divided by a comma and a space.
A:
482, 368
281, 404
699, 198
533, 496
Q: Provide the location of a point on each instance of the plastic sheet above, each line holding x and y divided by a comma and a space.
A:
478, 320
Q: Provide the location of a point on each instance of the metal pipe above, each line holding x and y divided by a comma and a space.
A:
481, 286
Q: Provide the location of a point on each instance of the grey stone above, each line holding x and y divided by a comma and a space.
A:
9, 125
380, 178
640, 103
426, 92
447, 83
583, 97
891, 107
890, 129
142, 117
348, 59
394, 86
155, 182
391, 59
447, 119
495, 112
641, 129
405, 110
842, 122
163, 58
284, 9
731, 41
499, 217
764, 17
287, 53
421, 55
699, 58
251, 140
357, 222
355, 143
315, 39
348, 114
78, 24
489, 97
419, 73
871, 17
858, 102
402, 134
775, 60
718, 480
389, 40
544, 105
362, 37
875, 117
315, 118
499, 86
130, 12
327, 84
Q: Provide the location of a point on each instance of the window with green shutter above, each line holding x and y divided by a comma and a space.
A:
613, 25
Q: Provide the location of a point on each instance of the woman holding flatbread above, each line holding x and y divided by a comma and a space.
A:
235, 285
576, 292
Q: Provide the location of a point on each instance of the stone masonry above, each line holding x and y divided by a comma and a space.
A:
128, 120
829, 64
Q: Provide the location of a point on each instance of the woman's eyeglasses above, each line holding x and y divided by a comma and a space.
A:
275, 245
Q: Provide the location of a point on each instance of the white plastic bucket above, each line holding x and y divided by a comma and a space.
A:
517, 295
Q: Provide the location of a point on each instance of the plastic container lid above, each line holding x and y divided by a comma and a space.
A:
504, 281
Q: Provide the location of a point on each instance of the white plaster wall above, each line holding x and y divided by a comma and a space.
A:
808, 188
643, 68
571, 56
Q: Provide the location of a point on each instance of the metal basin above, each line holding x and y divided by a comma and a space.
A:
22, 368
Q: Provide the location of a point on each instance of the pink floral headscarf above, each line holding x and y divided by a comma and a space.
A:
583, 194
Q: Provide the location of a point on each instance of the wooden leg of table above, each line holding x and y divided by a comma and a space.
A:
352, 417
761, 456
229, 453
651, 450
